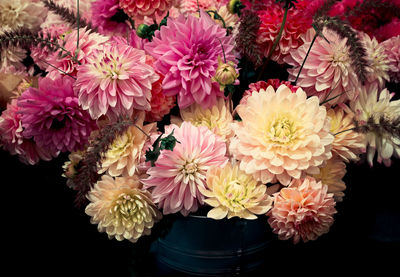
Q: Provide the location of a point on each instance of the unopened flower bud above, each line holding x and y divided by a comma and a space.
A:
226, 73
143, 30
234, 6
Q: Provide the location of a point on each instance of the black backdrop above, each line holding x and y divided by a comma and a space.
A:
45, 235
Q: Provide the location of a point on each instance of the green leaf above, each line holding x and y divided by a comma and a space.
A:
169, 142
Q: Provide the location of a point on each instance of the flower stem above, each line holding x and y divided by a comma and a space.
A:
351, 129
218, 17
77, 26
305, 58
334, 97
58, 69
140, 129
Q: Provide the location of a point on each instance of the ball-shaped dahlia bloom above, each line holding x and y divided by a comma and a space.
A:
271, 19
122, 208
378, 63
68, 63
231, 192
302, 211
217, 118
13, 140
124, 153
150, 8
392, 51
379, 119
115, 81
109, 18
187, 52
177, 175
282, 135
347, 144
331, 174
328, 70
53, 117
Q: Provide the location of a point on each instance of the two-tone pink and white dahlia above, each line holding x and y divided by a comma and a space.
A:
177, 174
302, 211
328, 70
282, 135
68, 62
13, 140
115, 81
187, 52
53, 117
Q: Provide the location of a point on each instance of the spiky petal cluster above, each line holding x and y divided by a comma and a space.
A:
347, 144
378, 63
231, 192
123, 155
331, 174
121, 208
187, 51
302, 211
141, 8
328, 70
217, 118
53, 117
271, 19
115, 81
372, 110
392, 51
68, 62
282, 135
177, 175
12, 139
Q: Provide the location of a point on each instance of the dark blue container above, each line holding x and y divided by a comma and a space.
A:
200, 246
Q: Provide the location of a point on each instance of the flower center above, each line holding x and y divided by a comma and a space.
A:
189, 168
127, 209
282, 130
235, 191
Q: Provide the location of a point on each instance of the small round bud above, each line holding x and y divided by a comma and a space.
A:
226, 73
234, 6
143, 30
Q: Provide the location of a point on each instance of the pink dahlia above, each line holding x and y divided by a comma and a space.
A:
271, 19
177, 175
304, 210
88, 43
40, 54
275, 83
328, 70
141, 8
187, 52
192, 6
392, 51
115, 81
13, 140
109, 18
53, 117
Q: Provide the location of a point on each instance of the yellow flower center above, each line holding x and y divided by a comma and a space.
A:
120, 144
282, 130
128, 209
189, 168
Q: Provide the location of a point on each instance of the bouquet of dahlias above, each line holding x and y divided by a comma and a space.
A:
237, 108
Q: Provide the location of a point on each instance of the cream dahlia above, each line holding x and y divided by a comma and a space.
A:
123, 155
177, 175
379, 119
121, 208
282, 135
304, 210
217, 118
231, 192
331, 174
378, 63
328, 70
392, 51
347, 144
115, 81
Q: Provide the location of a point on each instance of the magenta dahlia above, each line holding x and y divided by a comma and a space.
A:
177, 175
13, 140
109, 18
53, 117
187, 52
115, 81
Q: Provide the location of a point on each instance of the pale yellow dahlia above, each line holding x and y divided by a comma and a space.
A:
282, 135
121, 208
217, 118
347, 143
379, 119
331, 174
124, 153
231, 192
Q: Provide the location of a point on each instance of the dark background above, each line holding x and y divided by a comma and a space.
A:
46, 235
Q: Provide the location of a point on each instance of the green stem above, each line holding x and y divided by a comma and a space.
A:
140, 129
58, 69
334, 97
305, 58
277, 39
223, 50
77, 24
351, 129
218, 17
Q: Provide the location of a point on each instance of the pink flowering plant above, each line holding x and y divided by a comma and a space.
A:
220, 108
